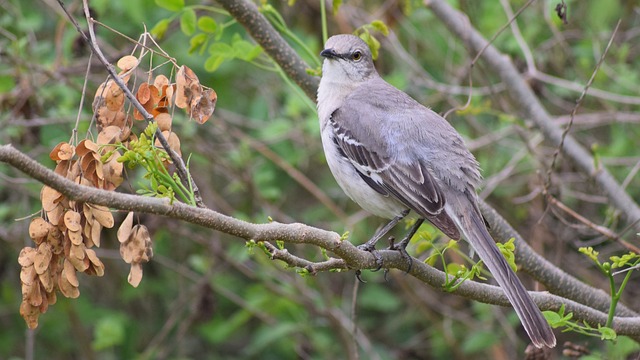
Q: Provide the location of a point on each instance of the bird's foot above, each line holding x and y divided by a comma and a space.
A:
401, 247
376, 255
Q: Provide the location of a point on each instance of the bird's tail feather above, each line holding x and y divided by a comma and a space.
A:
473, 227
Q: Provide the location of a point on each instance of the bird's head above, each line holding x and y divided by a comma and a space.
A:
347, 58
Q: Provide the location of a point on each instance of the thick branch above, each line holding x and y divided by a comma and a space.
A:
247, 14
299, 234
532, 109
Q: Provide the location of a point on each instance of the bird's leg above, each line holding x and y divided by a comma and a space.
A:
370, 245
402, 245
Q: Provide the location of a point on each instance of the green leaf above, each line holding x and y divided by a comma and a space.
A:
380, 26
196, 41
188, 21
606, 333
213, 62
160, 28
246, 51
207, 24
109, 332
221, 49
171, 5
336, 5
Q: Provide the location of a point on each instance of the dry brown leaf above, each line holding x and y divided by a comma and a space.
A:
127, 63
88, 212
96, 230
42, 258
160, 81
124, 231
86, 161
75, 237
103, 215
50, 198
77, 251
164, 122
96, 264
203, 109
79, 264
55, 216
106, 117
25, 258
144, 94
66, 151
168, 94
135, 275
72, 220
47, 281
69, 271
109, 135
113, 171
35, 298
29, 314
54, 238
66, 288
156, 95
114, 97
28, 275
99, 169
172, 139
53, 155
86, 146
39, 229
51, 296
187, 87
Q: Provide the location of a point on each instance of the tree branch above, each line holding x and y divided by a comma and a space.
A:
247, 14
353, 257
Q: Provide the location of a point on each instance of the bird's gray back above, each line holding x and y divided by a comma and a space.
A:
406, 130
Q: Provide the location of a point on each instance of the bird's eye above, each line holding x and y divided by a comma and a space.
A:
356, 56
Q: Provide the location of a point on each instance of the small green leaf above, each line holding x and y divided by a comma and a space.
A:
246, 51
196, 41
380, 26
207, 24
221, 49
160, 28
607, 333
171, 5
336, 5
213, 62
188, 21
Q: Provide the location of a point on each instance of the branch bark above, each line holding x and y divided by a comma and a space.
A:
347, 253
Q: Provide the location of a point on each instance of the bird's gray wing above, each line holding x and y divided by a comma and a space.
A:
368, 151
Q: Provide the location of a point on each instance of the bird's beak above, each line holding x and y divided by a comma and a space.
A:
329, 54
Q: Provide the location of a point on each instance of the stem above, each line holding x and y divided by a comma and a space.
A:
615, 296
323, 17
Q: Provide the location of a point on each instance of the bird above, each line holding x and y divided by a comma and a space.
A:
392, 155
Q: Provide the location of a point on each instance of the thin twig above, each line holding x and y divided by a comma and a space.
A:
547, 182
475, 59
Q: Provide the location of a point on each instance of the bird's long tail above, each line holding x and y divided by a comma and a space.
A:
474, 229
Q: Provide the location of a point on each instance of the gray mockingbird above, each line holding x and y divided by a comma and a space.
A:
392, 155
